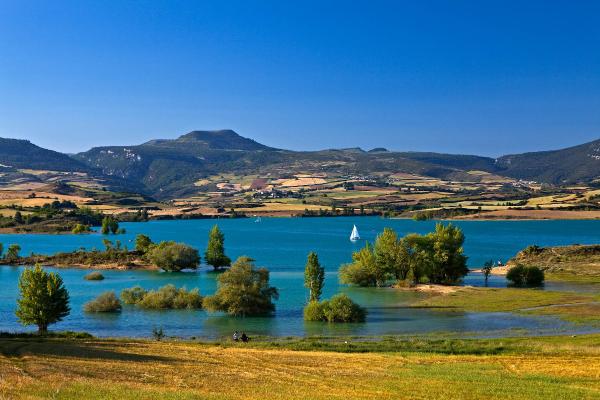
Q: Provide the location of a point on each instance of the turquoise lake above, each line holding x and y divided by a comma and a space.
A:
281, 245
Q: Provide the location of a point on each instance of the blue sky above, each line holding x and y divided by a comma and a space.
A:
484, 77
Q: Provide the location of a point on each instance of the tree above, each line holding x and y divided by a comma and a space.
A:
449, 263
109, 225
521, 275
142, 243
215, 250
487, 270
171, 256
243, 290
363, 270
314, 276
12, 254
391, 254
18, 217
105, 226
43, 298
80, 228
108, 245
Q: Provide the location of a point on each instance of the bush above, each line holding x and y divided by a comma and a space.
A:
339, 309
521, 275
171, 256
106, 302
94, 276
314, 311
80, 228
133, 295
169, 297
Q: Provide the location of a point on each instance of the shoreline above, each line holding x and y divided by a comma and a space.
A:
103, 267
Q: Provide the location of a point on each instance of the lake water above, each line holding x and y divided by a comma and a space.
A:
281, 244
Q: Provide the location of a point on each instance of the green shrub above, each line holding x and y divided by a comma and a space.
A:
521, 275
314, 311
94, 276
342, 309
339, 309
80, 228
171, 256
169, 297
133, 295
106, 302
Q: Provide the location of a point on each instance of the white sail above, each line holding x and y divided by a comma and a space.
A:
354, 235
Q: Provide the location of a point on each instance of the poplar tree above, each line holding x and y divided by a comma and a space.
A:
215, 250
314, 276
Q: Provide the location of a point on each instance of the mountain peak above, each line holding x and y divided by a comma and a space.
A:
225, 139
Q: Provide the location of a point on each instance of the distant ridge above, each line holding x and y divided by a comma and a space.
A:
18, 153
169, 168
574, 164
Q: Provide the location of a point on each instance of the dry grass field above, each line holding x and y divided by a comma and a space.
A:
561, 368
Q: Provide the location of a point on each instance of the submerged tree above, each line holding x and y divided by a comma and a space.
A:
173, 257
12, 254
215, 250
487, 270
109, 225
314, 276
243, 290
44, 300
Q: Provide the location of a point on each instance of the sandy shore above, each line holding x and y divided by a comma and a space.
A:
496, 270
431, 288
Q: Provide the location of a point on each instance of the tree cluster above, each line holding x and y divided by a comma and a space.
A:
436, 257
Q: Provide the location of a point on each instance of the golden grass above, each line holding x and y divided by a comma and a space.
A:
101, 369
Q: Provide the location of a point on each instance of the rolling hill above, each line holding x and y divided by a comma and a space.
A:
15, 153
169, 168
571, 165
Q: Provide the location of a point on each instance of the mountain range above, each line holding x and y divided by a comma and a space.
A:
168, 168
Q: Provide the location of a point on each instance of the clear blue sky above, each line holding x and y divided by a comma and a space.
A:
485, 77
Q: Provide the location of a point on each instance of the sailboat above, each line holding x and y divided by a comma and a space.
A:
257, 219
354, 236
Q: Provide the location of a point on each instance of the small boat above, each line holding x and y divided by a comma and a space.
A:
354, 236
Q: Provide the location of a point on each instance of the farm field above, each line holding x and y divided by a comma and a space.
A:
532, 368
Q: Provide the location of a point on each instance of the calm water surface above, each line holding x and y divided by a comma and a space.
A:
281, 244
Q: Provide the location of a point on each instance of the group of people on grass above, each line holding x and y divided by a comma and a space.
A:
243, 337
